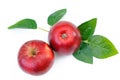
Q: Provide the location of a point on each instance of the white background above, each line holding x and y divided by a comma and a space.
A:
65, 68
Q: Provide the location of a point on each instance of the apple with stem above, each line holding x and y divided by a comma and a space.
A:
35, 57
64, 38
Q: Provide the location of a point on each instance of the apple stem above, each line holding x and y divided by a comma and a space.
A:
43, 29
64, 36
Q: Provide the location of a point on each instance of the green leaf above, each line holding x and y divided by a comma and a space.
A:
56, 16
87, 28
24, 24
102, 47
84, 53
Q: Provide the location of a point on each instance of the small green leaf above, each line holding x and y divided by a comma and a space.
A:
102, 47
84, 54
24, 24
87, 28
56, 16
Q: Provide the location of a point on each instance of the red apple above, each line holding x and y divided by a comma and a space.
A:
64, 38
35, 57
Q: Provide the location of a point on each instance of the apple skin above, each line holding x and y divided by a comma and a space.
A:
64, 38
35, 57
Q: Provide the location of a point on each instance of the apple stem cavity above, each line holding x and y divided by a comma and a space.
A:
32, 52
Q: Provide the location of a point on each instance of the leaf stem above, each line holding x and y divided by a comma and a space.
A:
86, 41
43, 29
